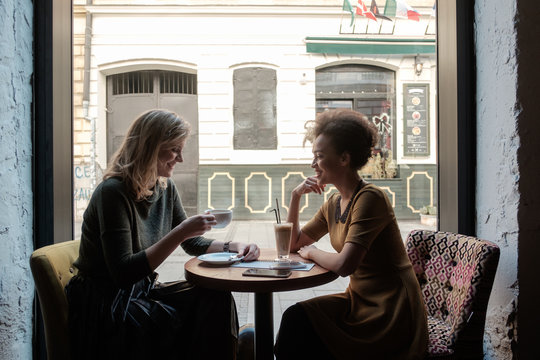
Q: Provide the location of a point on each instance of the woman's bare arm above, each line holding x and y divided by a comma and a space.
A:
343, 263
298, 238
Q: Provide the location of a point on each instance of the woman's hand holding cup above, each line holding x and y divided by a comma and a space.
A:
197, 225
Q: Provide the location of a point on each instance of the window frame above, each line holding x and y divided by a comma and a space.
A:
52, 122
456, 109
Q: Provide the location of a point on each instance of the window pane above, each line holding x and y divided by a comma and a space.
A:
351, 79
248, 80
171, 82
254, 109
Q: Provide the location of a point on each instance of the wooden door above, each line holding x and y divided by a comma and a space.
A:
130, 94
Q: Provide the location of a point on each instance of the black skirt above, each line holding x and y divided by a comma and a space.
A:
148, 321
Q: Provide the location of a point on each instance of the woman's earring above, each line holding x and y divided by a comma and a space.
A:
345, 157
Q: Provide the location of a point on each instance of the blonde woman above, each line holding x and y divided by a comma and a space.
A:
133, 222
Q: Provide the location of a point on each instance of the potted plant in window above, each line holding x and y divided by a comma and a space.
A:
428, 215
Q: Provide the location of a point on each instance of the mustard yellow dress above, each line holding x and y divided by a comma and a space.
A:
381, 315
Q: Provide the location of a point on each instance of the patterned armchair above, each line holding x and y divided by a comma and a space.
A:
456, 275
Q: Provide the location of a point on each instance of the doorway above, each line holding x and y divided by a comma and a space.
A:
132, 93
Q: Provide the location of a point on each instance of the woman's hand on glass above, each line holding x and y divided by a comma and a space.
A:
309, 185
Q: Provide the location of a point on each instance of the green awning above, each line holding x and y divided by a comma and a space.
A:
337, 45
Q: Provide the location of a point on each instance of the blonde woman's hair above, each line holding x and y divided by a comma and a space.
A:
135, 162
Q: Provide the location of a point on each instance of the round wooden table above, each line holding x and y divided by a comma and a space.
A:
231, 279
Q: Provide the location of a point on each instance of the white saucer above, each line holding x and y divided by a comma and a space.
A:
221, 258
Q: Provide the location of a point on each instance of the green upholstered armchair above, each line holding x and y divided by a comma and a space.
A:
52, 268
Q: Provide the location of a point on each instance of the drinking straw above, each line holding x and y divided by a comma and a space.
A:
277, 212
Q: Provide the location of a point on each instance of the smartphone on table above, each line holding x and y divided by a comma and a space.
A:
279, 273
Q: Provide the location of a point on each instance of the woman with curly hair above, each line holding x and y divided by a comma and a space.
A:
381, 314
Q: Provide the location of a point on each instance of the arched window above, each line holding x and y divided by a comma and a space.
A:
371, 91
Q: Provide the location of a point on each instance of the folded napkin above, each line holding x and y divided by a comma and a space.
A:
268, 264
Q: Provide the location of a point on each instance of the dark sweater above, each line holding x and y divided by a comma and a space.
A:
116, 229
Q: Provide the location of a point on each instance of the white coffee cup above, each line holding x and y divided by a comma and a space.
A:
223, 217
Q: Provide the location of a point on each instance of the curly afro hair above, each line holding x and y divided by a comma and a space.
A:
349, 131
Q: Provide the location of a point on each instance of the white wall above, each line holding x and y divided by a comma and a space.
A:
16, 284
497, 194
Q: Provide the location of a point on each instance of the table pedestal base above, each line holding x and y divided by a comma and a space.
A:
264, 326
228, 278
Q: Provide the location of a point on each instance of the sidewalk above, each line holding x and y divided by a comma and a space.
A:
262, 234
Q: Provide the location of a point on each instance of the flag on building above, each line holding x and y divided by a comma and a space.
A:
400, 9
347, 7
362, 10
375, 11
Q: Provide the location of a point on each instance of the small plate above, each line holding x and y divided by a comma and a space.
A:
221, 258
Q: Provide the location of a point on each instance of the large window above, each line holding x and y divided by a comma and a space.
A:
53, 213
248, 90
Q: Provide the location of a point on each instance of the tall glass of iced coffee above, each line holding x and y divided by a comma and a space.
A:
283, 233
